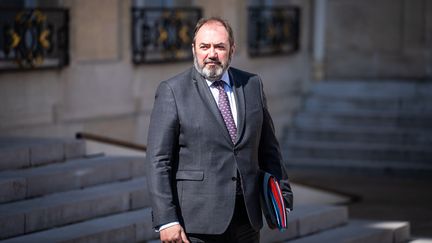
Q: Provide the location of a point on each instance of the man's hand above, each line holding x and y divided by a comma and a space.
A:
174, 233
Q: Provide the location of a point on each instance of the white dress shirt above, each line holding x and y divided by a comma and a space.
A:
228, 89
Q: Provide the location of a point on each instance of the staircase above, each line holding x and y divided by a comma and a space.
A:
313, 224
379, 126
51, 191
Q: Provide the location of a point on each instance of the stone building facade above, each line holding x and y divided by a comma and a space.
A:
102, 91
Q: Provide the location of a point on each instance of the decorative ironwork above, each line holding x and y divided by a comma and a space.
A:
33, 38
163, 34
273, 30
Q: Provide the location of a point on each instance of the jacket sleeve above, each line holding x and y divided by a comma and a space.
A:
161, 155
269, 154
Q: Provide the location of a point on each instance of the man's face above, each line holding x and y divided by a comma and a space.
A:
212, 51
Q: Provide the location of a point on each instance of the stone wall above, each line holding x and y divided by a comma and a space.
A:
379, 39
103, 92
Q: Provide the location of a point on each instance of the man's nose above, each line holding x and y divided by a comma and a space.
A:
212, 53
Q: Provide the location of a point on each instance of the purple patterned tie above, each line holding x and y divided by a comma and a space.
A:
225, 109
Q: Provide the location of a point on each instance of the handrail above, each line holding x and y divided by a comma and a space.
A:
111, 141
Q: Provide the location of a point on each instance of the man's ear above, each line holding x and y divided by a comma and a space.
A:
193, 48
233, 48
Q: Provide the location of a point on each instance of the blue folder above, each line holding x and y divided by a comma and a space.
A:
273, 204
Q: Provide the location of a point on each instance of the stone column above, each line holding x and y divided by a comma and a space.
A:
319, 39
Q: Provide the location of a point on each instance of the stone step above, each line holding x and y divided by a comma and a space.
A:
361, 165
73, 174
359, 135
63, 208
399, 105
306, 220
133, 226
369, 118
362, 128
16, 153
380, 89
360, 231
358, 151
421, 240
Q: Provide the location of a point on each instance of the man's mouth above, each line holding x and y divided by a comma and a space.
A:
212, 63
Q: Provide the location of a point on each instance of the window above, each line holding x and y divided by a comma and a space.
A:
33, 34
162, 30
273, 28
162, 3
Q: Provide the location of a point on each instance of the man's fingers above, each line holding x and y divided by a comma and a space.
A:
174, 233
184, 237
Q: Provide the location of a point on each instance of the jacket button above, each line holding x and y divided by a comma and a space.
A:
235, 152
234, 178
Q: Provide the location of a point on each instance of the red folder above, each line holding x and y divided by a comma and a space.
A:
272, 202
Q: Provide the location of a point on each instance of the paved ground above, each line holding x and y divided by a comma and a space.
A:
378, 196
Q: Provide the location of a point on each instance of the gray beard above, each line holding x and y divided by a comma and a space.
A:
211, 74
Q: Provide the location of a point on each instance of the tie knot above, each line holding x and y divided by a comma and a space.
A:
219, 84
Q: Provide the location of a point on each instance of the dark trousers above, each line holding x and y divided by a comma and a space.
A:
239, 230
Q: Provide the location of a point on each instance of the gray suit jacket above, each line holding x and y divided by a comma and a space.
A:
192, 163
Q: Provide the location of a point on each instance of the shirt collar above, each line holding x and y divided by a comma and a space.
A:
225, 78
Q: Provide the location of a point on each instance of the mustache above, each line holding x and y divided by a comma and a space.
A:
212, 62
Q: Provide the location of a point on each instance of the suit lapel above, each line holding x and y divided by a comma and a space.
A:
240, 101
209, 101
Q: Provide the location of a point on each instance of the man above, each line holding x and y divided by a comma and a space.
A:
210, 135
